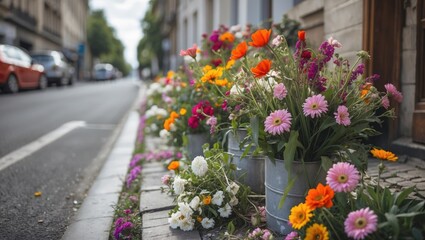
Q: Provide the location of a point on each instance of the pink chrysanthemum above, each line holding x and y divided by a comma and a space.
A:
342, 116
385, 102
278, 122
279, 91
361, 223
392, 91
315, 105
343, 177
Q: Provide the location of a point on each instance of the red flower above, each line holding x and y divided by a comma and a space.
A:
260, 38
301, 35
262, 68
193, 122
239, 51
189, 52
320, 197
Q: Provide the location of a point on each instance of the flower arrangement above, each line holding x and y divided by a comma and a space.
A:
351, 207
205, 192
308, 105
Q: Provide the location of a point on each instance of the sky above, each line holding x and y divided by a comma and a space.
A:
124, 16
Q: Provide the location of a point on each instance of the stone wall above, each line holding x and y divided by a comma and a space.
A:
408, 70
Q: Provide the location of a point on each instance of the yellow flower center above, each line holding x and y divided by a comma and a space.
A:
314, 106
342, 178
360, 222
277, 121
301, 216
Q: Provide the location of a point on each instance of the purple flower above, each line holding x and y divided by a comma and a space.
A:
385, 102
312, 70
119, 221
127, 211
119, 228
359, 224
357, 72
373, 78
179, 155
342, 116
133, 175
135, 160
343, 177
165, 179
315, 105
278, 122
327, 50
133, 198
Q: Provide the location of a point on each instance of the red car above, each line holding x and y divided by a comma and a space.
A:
18, 71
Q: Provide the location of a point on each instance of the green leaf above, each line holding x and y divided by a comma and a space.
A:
285, 193
393, 221
255, 128
326, 163
290, 150
246, 151
400, 196
231, 228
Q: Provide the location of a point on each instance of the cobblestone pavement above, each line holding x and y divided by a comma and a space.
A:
154, 205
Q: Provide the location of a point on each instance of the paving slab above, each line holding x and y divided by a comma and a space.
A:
97, 206
106, 185
154, 169
152, 181
89, 229
155, 226
156, 200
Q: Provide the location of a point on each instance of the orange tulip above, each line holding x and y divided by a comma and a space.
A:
260, 38
262, 68
301, 35
320, 197
239, 51
174, 165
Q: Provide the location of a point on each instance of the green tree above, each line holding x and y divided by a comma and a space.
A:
103, 43
150, 46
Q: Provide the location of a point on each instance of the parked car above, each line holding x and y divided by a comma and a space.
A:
56, 67
103, 71
18, 70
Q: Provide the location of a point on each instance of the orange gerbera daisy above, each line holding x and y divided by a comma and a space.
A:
174, 165
262, 68
239, 51
384, 155
320, 197
260, 38
227, 37
301, 35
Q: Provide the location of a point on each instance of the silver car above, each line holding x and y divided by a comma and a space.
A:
56, 67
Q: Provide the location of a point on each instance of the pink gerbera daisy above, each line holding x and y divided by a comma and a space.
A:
392, 91
279, 91
315, 105
343, 177
361, 223
278, 122
342, 116
385, 102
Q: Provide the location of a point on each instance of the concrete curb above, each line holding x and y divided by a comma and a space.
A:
95, 216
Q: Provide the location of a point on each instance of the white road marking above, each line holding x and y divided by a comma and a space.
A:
36, 145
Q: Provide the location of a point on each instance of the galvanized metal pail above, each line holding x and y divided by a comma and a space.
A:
250, 169
307, 175
195, 142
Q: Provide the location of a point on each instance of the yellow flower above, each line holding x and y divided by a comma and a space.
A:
206, 68
221, 82
383, 155
300, 215
317, 232
183, 84
183, 111
199, 218
230, 64
170, 74
211, 75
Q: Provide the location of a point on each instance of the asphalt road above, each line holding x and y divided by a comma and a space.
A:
63, 169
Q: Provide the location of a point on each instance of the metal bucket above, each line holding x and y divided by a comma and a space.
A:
250, 169
194, 144
307, 176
